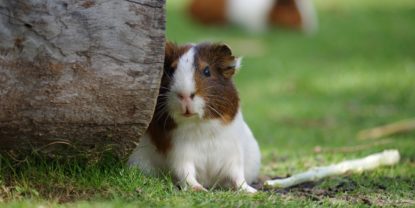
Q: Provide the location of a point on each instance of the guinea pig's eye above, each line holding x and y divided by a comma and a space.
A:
206, 72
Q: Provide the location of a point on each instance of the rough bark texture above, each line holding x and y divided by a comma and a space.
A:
78, 74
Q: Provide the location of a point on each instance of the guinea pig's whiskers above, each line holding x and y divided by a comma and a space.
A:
163, 95
161, 109
162, 101
216, 96
168, 76
161, 113
162, 87
206, 88
221, 101
219, 105
215, 111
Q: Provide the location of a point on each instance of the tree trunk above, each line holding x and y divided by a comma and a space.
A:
78, 75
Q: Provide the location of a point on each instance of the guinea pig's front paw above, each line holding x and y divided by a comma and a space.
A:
199, 188
248, 189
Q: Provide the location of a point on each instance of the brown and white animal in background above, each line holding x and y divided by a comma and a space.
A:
257, 15
198, 133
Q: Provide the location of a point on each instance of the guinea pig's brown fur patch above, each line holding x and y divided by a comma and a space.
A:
285, 13
218, 90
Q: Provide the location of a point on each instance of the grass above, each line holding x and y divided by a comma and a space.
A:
298, 93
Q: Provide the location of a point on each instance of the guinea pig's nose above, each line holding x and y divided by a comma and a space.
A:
185, 96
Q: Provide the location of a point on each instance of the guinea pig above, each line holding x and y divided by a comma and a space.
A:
198, 133
256, 15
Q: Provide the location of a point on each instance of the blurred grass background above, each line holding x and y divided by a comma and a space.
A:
357, 72
299, 93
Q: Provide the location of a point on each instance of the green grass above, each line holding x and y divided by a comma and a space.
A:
297, 93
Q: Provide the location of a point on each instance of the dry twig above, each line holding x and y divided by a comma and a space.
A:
386, 130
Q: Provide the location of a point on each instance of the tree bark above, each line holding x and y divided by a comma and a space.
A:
78, 75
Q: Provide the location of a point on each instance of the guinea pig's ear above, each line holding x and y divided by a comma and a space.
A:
222, 49
232, 66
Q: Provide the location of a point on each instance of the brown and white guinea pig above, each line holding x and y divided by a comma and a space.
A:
198, 133
256, 15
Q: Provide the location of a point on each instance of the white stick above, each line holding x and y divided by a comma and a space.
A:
385, 158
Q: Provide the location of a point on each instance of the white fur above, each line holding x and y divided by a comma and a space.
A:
205, 154
183, 80
308, 16
251, 14
184, 83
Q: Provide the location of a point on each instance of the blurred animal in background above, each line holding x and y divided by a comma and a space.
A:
256, 15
